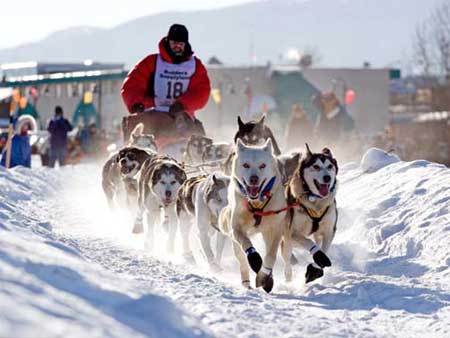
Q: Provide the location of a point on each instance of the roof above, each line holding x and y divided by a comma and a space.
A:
60, 67
79, 76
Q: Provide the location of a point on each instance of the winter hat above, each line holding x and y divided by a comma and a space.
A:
58, 110
178, 33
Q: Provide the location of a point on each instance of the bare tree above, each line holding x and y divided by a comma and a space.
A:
431, 42
422, 49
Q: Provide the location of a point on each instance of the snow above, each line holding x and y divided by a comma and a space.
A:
375, 159
69, 267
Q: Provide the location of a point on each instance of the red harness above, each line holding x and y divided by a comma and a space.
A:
259, 213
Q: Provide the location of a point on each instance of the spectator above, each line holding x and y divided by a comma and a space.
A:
58, 129
334, 123
20, 149
299, 129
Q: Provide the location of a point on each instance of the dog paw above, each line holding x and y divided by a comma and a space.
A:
189, 258
138, 228
294, 260
254, 259
246, 284
264, 278
312, 273
321, 259
215, 267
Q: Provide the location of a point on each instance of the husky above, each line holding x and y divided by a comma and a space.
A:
312, 223
195, 149
140, 140
217, 151
159, 182
287, 164
120, 174
200, 201
256, 205
254, 133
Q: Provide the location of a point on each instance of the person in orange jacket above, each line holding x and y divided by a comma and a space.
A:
173, 80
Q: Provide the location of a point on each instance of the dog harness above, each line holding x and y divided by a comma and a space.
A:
266, 196
315, 220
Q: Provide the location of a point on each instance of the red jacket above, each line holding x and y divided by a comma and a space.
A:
138, 86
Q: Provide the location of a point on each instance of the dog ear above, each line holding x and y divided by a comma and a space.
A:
268, 146
261, 120
240, 146
214, 178
308, 151
327, 152
138, 130
240, 123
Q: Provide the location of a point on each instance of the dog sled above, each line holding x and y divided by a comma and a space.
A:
168, 131
171, 135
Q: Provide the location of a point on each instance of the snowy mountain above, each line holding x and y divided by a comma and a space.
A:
68, 267
345, 32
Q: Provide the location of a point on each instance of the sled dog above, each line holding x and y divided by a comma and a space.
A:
200, 201
120, 174
140, 140
256, 205
159, 182
312, 223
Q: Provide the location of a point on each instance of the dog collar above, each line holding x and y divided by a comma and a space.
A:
265, 192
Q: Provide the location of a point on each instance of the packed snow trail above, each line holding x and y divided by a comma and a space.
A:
68, 266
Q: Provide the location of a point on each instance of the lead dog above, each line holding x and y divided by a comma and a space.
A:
200, 201
256, 202
160, 180
312, 223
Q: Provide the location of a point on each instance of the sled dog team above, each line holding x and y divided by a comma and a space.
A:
288, 199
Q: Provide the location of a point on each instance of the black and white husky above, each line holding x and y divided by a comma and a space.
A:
256, 205
256, 133
200, 201
200, 149
312, 223
159, 182
253, 133
120, 174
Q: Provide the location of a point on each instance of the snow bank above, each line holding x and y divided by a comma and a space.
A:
70, 268
47, 287
375, 159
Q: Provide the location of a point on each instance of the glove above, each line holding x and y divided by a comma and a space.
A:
137, 108
175, 109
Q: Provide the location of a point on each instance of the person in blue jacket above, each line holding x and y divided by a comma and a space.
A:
58, 129
20, 149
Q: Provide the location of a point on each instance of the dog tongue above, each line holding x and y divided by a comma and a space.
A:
323, 189
253, 190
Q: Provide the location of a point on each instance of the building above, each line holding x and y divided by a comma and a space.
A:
237, 91
49, 84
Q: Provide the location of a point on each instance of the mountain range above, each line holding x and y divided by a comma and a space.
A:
345, 33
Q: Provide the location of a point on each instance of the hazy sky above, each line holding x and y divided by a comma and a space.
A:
24, 21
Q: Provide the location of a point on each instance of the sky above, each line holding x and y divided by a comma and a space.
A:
26, 21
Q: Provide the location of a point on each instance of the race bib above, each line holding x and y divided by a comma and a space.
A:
172, 80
